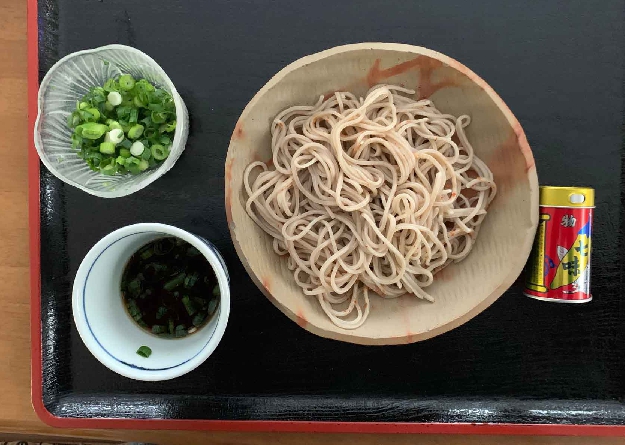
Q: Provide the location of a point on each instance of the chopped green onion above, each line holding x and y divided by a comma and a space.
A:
137, 148
181, 331
127, 101
212, 306
92, 130
165, 140
95, 113
133, 309
132, 164
190, 280
115, 136
199, 319
135, 131
134, 287
188, 305
166, 294
110, 85
144, 351
107, 148
147, 253
154, 269
144, 86
124, 152
160, 313
167, 128
192, 251
77, 143
158, 329
158, 117
146, 155
73, 120
94, 158
126, 82
114, 98
163, 246
113, 125
175, 282
159, 152
122, 111
108, 170
216, 291
134, 115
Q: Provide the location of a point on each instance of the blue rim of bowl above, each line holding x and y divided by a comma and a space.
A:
84, 311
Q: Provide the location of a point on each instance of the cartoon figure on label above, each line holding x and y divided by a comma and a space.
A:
574, 269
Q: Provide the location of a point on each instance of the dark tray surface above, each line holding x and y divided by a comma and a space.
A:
559, 67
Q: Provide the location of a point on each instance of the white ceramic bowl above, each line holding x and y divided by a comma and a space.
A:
70, 79
109, 332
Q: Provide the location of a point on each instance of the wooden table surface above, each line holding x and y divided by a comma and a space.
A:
17, 418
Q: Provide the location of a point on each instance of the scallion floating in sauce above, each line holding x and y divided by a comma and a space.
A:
169, 288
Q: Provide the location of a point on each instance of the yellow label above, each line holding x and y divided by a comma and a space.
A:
535, 279
574, 261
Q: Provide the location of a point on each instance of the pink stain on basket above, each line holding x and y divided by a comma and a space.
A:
228, 177
504, 162
444, 274
238, 132
403, 302
524, 146
266, 281
517, 140
426, 66
425, 88
377, 75
301, 318
268, 162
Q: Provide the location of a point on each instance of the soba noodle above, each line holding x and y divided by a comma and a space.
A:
373, 194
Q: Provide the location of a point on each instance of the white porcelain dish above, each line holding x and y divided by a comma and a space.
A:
108, 331
70, 79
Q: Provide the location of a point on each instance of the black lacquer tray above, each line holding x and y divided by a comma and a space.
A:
522, 366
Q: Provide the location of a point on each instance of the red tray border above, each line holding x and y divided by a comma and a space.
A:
224, 425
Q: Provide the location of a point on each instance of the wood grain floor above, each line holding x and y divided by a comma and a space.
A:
17, 419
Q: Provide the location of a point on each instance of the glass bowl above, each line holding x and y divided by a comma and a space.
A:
66, 82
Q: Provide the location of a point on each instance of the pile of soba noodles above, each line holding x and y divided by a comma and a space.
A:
368, 194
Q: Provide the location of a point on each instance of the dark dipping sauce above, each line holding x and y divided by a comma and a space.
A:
169, 288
